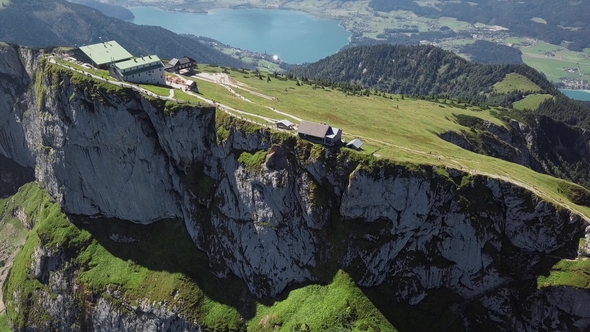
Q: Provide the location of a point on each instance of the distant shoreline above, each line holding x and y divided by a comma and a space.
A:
321, 15
578, 90
329, 36
581, 95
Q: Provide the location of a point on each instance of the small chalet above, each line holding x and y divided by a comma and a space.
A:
355, 144
191, 86
285, 124
176, 65
320, 133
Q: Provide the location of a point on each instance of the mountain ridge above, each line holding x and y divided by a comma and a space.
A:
421, 70
564, 21
54, 23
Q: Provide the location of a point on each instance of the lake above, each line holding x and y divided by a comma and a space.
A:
295, 37
577, 94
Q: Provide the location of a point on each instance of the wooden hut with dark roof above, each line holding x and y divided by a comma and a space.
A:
320, 133
176, 65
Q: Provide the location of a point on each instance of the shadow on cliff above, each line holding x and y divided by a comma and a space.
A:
13, 176
166, 246
445, 310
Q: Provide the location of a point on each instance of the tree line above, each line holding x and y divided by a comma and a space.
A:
567, 21
420, 70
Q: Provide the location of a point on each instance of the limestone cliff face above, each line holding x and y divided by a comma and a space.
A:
16, 72
298, 215
60, 304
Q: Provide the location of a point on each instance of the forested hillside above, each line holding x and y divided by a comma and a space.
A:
567, 110
119, 12
421, 70
566, 21
483, 51
61, 23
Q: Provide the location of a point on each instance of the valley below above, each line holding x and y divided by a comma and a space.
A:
569, 68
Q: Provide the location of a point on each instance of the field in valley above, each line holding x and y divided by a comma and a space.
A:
555, 61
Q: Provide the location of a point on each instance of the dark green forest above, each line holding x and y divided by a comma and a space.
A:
567, 21
107, 9
61, 23
564, 109
421, 71
482, 51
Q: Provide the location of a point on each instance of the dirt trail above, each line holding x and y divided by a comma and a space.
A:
230, 109
225, 80
285, 114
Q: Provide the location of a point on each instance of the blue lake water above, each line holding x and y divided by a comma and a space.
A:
577, 94
294, 36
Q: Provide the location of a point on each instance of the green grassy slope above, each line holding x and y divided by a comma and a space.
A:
513, 82
12, 230
401, 129
572, 273
4, 327
530, 102
162, 264
337, 306
37, 207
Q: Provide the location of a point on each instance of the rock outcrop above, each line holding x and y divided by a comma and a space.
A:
61, 302
545, 146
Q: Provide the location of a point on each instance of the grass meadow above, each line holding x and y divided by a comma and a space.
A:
530, 102
401, 129
514, 82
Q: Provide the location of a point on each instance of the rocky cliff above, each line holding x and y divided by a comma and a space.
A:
276, 211
544, 145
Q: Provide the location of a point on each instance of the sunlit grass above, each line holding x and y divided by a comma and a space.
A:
403, 130
530, 102
159, 90
513, 82
318, 308
567, 273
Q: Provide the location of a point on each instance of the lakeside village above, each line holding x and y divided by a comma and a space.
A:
124, 67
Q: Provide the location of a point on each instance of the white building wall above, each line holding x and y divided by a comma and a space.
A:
154, 76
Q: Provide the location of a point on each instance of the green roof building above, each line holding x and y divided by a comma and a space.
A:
148, 69
101, 55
